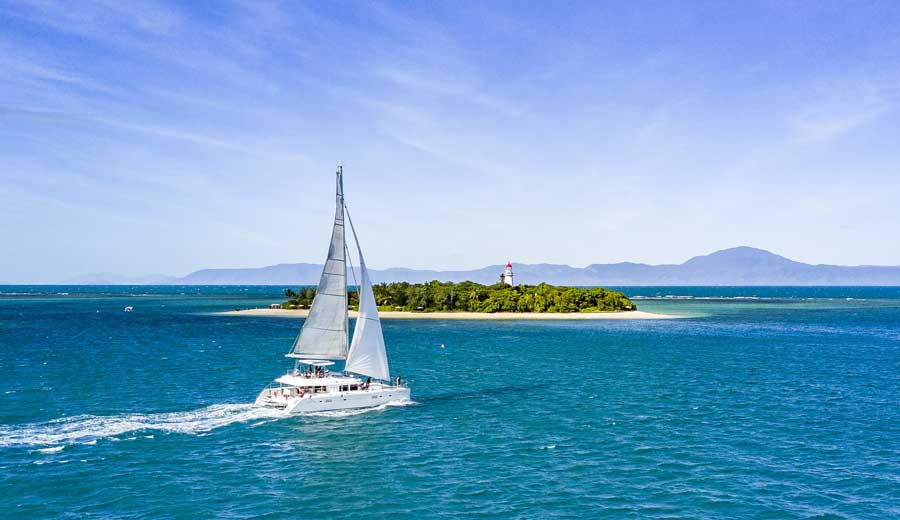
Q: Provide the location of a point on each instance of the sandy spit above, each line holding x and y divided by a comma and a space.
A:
397, 315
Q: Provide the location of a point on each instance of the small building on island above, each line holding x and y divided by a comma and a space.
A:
507, 275
274, 305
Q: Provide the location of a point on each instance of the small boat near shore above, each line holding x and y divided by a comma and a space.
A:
311, 386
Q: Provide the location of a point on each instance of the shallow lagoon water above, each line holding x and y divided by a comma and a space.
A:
765, 403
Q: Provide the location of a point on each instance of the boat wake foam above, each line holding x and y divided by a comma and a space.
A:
55, 449
86, 429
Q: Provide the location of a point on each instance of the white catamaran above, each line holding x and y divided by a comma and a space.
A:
311, 386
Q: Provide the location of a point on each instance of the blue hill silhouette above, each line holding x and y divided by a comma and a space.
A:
735, 266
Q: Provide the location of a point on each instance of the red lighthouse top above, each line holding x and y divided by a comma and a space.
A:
508, 264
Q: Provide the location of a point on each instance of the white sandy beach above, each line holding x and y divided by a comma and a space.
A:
388, 315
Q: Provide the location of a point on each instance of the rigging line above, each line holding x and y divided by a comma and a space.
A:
353, 230
347, 248
352, 271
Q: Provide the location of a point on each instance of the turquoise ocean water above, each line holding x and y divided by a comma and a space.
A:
764, 403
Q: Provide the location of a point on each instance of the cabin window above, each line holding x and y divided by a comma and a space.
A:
354, 387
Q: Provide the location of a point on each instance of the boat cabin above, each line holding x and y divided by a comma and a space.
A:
311, 377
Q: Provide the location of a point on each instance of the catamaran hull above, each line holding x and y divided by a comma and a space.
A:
338, 401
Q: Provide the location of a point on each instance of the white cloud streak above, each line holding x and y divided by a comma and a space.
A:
842, 107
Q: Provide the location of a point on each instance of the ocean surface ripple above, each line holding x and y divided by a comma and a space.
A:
766, 403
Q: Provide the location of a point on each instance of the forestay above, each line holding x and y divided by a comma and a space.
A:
367, 353
324, 333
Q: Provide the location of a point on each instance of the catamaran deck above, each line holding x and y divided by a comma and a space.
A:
313, 380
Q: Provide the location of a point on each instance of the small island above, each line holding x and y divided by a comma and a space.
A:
503, 300
471, 297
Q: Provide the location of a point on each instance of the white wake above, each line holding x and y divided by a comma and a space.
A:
86, 429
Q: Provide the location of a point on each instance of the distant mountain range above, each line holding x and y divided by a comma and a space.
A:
736, 266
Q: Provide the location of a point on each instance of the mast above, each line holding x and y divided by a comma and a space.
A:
324, 332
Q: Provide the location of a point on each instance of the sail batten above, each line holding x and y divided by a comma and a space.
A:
324, 332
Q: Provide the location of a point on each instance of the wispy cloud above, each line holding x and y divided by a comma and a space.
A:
102, 19
521, 119
16, 67
449, 84
842, 107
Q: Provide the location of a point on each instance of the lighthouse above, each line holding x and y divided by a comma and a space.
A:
507, 276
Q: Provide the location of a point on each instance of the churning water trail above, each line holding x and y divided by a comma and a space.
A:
86, 429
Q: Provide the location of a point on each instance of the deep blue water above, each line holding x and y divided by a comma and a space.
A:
764, 403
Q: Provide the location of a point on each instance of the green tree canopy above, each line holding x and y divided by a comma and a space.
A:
438, 296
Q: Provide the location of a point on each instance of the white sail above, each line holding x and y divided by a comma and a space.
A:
367, 355
324, 333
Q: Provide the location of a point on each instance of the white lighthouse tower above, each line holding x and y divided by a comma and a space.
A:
507, 276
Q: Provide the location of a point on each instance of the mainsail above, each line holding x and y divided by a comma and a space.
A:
367, 355
324, 333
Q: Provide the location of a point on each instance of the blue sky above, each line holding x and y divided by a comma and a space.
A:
152, 137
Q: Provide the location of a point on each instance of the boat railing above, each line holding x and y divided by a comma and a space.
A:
308, 375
